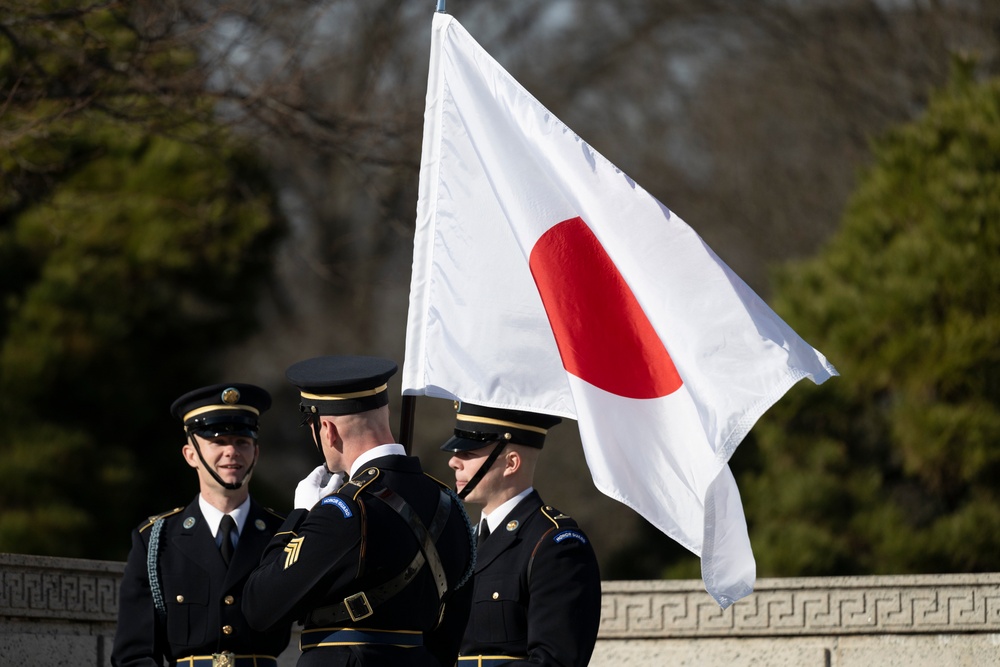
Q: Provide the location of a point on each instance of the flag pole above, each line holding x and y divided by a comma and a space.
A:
408, 407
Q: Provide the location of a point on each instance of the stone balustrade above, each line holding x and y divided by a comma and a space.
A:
60, 611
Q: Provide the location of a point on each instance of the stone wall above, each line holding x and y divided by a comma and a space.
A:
58, 611
916, 621
62, 611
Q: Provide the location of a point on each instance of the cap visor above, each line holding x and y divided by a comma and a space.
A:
216, 430
457, 444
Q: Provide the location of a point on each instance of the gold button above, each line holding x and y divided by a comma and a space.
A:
228, 599
496, 596
227, 629
180, 598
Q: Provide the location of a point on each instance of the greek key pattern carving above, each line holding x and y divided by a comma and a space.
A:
41, 587
868, 605
71, 589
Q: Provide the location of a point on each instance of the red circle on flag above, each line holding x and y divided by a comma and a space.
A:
604, 336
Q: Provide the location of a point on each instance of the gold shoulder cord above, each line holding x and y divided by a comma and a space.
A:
553, 515
153, 519
364, 478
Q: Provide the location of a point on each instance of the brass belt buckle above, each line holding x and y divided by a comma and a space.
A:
358, 606
224, 659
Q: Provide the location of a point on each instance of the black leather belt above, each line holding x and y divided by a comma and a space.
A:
486, 660
226, 659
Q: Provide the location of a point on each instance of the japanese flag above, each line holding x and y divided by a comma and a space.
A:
545, 279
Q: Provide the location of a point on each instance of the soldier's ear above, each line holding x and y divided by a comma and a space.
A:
190, 455
328, 429
512, 462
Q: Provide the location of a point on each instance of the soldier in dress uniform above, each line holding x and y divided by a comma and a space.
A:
537, 590
376, 571
183, 583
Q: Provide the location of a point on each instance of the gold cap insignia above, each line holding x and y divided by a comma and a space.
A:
230, 396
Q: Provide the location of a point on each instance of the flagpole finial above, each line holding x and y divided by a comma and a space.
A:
440, 6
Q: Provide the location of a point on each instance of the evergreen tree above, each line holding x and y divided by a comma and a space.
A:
892, 467
135, 235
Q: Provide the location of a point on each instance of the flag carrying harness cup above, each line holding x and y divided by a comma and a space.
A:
363, 604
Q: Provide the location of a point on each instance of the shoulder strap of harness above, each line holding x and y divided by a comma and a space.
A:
363, 604
357, 484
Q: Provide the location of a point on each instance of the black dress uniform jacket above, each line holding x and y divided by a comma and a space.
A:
537, 595
352, 542
201, 594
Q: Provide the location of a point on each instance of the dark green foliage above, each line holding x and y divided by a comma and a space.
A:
134, 238
892, 467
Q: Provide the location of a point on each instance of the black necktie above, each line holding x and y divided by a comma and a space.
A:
226, 528
484, 532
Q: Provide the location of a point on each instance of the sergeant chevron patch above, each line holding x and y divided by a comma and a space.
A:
292, 549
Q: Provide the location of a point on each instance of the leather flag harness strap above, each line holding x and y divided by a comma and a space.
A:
363, 604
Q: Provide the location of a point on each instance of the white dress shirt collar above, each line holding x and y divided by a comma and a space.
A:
393, 449
213, 516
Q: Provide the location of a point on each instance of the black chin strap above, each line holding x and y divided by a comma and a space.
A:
483, 469
232, 486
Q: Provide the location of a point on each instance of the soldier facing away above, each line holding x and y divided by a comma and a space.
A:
376, 570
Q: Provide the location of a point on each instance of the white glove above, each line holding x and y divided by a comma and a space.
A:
316, 485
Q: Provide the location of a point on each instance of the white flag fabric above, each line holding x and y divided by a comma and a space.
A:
545, 279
